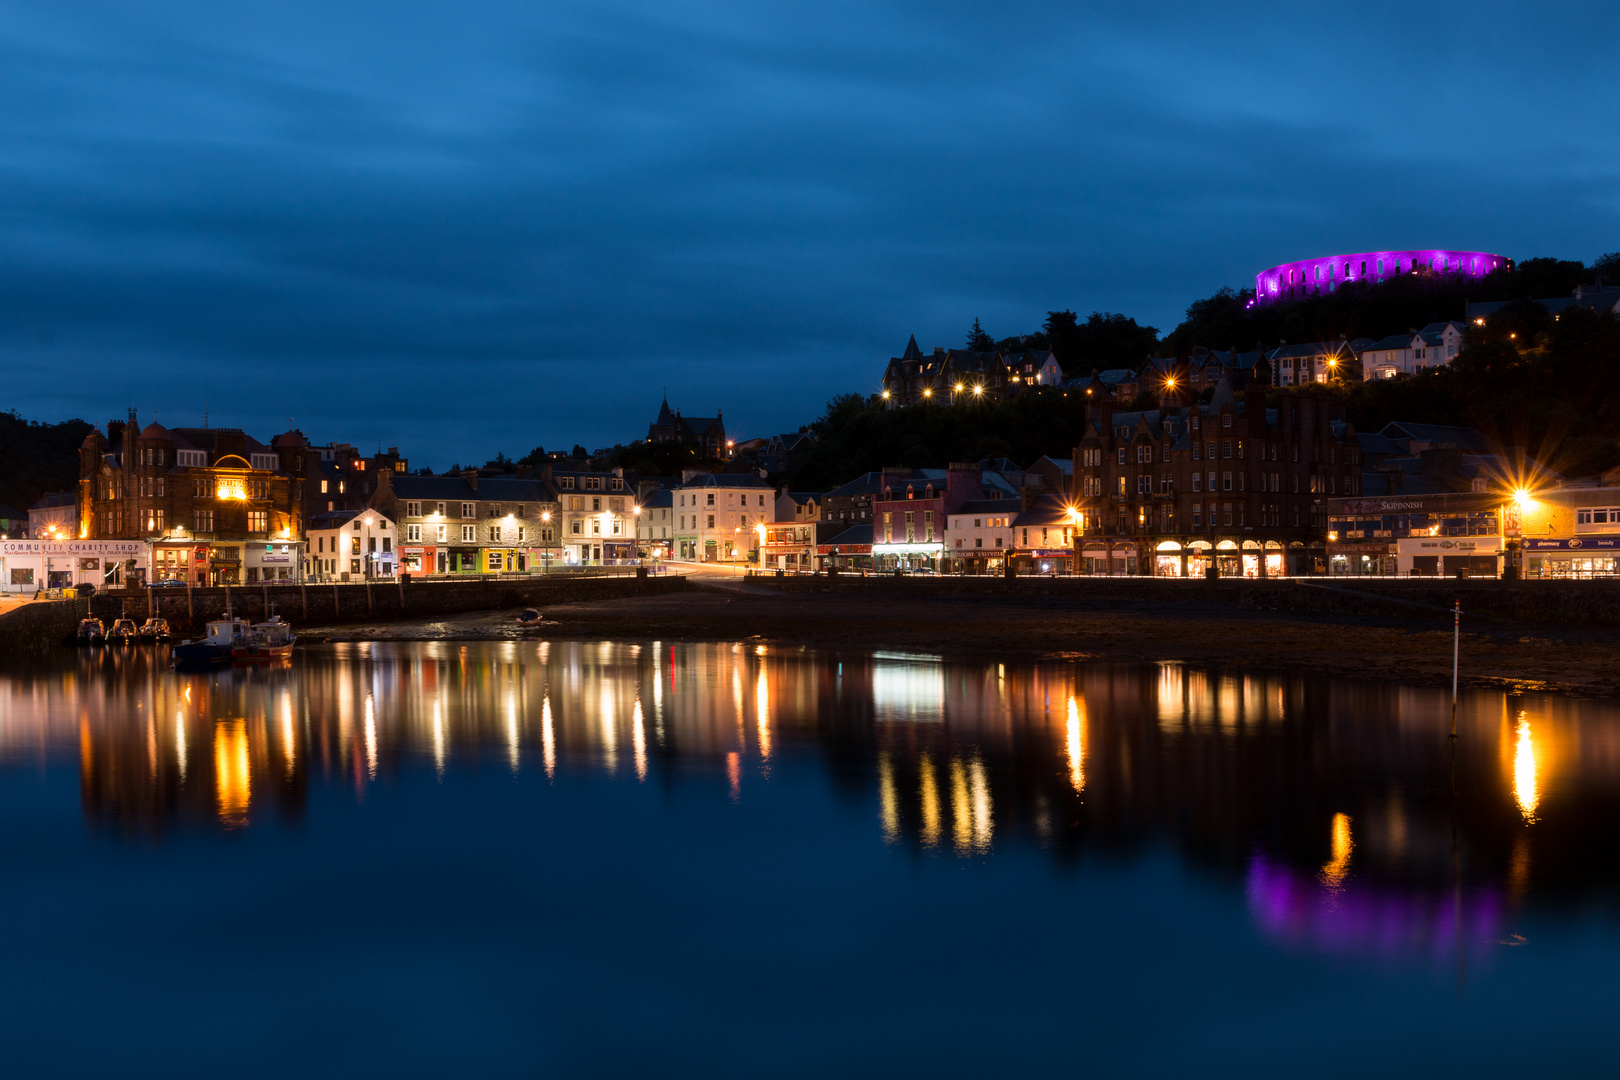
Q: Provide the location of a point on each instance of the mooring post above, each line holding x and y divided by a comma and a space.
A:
191, 616
336, 607
1456, 641
303, 595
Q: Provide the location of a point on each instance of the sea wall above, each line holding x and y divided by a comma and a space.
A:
39, 626
314, 605
1594, 602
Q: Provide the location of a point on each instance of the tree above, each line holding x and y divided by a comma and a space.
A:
579, 452
1607, 267
978, 340
533, 457
1109, 340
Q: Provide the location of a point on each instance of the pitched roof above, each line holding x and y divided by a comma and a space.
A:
54, 499
912, 352
458, 489
726, 480
1465, 438
853, 536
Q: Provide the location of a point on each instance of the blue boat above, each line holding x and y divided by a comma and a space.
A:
223, 636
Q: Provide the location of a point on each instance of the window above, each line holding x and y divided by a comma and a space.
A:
1226, 481
413, 509
711, 499
1144, 484
1226, 513
1226, 448
1144, 454
1166, 484
354, 545
1198, 481
616, 484
202, 520
567, 482
492, 509
593, 483
1195, 451
494, 534
1122, 484
1226, 419
469, 510
576, 529
520, 536
1122, 455
258, 521
711, 516
413, 534
439, 533
469, 534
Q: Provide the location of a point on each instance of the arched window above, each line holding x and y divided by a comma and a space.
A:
1318, 273
1363, 267
1380, 267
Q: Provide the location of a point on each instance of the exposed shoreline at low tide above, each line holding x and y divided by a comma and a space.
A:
1584, 662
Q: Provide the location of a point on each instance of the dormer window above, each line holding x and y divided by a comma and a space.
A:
1226, 419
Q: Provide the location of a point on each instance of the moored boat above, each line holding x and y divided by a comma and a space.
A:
90, 632
123, 632
216, 645
265, 642
529, 617
155, 630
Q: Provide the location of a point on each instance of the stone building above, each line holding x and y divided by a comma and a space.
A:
215, 503
1232, 486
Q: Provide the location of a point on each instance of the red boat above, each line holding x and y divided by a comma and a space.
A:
264, 643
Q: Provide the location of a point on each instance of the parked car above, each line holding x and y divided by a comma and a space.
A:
170, 583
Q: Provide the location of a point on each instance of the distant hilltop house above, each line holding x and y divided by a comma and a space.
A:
1603, 299
706, 435
948, 376
1312, 277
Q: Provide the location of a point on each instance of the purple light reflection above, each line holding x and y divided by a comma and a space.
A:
1362, 918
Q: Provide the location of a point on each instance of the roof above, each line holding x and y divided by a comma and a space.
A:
459, 488
1045, 510
336, 519
11, 513
866, 484
1312, 348
658, 498
154, 430
726, 480
1374, 443
1390, 344
1465, 438
853, 536
982, 506
54, 499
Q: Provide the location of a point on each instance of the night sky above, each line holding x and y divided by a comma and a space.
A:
477, 227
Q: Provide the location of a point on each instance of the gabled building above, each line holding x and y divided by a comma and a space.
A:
352, 545
1436, 345
705, 434
655, 523
215, 503
55, 516
912, 511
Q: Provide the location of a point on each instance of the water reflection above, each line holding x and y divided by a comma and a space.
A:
1332, 805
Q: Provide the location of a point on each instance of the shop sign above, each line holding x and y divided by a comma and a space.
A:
73, 547
1591, 543
275, 558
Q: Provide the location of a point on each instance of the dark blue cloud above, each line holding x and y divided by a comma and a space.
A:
464, 228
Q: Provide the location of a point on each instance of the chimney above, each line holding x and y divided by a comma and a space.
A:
471, 476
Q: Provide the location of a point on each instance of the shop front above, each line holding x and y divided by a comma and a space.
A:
1104, 559
282, 561
180, 561
1449, 556
27, 566
1572, 557
463, 561
1170, 560
224, 564
417, 560
619, 551
1361, 558
906, 557
1043, 561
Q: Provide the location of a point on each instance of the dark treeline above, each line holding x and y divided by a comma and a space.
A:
36, 458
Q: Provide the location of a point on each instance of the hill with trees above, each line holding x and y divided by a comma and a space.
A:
36, 458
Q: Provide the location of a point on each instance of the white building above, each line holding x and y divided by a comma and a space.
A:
717, 516
1406, 354
352, 545
27, 566
980, 530
598, 516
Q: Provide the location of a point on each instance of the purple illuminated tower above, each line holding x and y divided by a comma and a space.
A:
1309, 277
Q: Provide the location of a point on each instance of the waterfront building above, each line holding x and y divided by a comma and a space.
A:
597, 515
978, 535
1042, 536
464, 523
851, 501
792, 545
352, 545
912, 510
30, 565
213, 502
655, 523
1313, 277
719, 517
1231, 485
848, 548
54, 517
